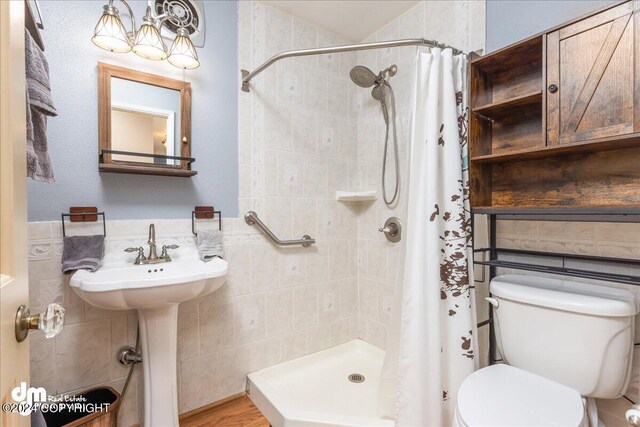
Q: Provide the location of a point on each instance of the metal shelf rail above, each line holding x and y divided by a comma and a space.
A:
618, 270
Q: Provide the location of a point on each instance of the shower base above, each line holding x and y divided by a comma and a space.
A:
316, 391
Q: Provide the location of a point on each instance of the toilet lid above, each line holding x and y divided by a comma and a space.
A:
501, 395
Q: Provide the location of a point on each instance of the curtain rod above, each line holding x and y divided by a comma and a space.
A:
248, 76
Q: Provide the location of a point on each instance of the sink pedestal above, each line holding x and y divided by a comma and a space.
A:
155, 293
159, 337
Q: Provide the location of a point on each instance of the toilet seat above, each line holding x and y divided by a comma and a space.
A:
501, 395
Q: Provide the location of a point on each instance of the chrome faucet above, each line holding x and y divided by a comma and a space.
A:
153, 257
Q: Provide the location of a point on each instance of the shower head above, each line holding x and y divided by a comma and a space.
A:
379, 92
362, 76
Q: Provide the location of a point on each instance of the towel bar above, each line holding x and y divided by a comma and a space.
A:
84, 214
251, 218
204, 212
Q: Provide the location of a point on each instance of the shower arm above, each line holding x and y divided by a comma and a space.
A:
248, 76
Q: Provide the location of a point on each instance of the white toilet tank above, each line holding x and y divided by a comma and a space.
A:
577, 334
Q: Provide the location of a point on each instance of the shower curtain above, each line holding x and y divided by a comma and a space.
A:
430, 349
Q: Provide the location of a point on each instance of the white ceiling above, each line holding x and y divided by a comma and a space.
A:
351, 19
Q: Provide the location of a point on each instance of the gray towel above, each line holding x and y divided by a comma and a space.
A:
82, 253
39, 106
209, 244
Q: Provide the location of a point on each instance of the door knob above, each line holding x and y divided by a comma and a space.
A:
553, 88
49, 321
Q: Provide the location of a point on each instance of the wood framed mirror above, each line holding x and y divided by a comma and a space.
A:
144, 123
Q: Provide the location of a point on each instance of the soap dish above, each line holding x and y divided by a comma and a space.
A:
356, 196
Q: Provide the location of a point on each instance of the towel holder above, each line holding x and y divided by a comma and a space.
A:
204, 212
30, 22
84, 214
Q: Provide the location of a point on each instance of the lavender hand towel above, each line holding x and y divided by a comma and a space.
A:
39, 107
82, 253
209, 243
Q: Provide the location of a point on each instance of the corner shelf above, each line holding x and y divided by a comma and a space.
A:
356, 196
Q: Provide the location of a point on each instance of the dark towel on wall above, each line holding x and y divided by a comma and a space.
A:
39, 107
82, 253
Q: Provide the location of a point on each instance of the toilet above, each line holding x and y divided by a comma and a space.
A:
560, 341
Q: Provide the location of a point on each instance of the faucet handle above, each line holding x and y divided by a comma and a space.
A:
165, 255
140, 256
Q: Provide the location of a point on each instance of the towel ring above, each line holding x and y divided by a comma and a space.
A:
85, 219
207, 212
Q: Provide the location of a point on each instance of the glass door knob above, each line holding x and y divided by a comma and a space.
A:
49, 321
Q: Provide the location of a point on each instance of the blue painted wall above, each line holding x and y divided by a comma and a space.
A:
73, 135
509, 21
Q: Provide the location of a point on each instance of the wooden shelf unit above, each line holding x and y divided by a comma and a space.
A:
506, 100
553, 123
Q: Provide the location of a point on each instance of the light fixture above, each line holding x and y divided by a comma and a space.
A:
110, 34
183, 53
148, 43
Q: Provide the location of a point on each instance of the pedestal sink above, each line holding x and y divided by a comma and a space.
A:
155, 292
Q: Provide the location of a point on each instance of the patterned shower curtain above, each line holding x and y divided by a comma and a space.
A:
430, 349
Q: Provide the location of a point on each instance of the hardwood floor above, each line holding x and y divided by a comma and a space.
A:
238, 412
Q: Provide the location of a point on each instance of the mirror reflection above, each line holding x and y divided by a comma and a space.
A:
145, 119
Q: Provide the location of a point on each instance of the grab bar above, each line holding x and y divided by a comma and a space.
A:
251, 218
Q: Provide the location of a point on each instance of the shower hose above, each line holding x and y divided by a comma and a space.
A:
395, 150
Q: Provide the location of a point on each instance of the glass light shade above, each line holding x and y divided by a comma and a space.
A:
183, 53
110, 34
149, 43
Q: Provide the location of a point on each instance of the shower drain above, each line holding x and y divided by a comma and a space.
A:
356, 378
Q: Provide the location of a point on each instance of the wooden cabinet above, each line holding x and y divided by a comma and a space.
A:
555, 119
592, 84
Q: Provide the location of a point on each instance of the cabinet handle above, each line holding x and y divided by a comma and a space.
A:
553, 88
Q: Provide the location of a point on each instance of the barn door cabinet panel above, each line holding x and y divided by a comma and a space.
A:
592, 87
555, 119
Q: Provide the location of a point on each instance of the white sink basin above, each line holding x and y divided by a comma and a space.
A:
154, 290
126, 286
